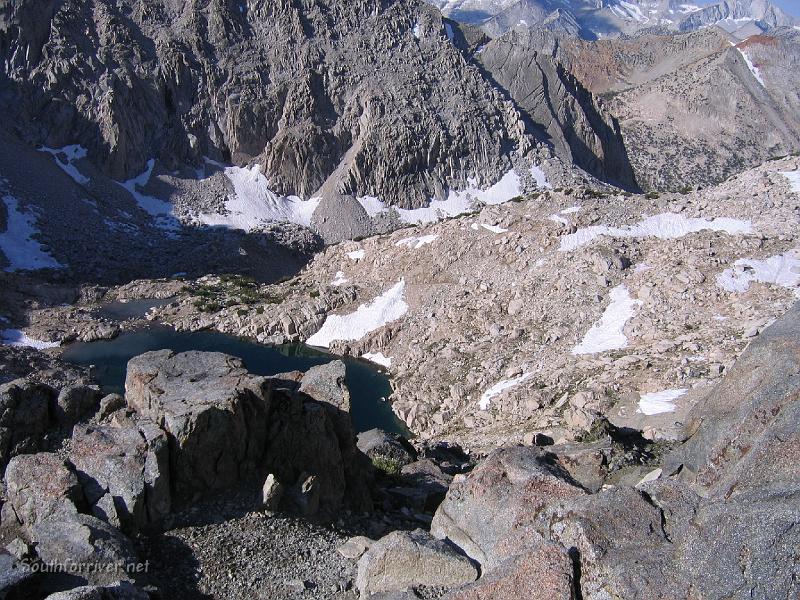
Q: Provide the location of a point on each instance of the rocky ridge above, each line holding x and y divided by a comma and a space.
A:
692, 108
613, 18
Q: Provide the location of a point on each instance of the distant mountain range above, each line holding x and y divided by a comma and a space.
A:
594, 19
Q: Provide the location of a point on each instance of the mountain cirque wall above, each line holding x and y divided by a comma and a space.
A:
360, 98
376, 89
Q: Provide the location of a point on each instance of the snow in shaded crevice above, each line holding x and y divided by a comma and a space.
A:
15, 337
387, 307
753, 69
665, 226
608, 332
417, 242
72, 153
500, 387
656, 403
17, 242
160, 210
782, 270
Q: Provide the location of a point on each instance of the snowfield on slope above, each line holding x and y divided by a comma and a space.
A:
17, 243
253, 204
161, 211
459, 202
607, 333
378, 358
782, 270
384, 309
666, 226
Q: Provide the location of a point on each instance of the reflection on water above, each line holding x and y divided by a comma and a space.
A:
368, 386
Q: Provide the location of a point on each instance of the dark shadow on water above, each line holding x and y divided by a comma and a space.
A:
369, 387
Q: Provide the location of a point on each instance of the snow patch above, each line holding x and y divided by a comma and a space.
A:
559, 219
492, 228
666, 226
607, 333
416, 242
372, 205
626, 10
782, 270
417, 31
656, 403
253, 204
356, 255
499, 388
378, 358
161, 211
339, 279
384, 309
73, 152
460, 202
571, 210
17, 243
15, 337
794, 180
539, 177
753, 69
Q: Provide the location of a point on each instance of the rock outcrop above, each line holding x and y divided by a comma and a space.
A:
213, 411
125, 472
24, 418
403, 560
487, 512
226, 425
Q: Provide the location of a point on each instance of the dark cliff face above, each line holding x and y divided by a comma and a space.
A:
559, 108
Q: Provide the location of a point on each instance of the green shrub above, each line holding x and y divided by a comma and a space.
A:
390, 466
